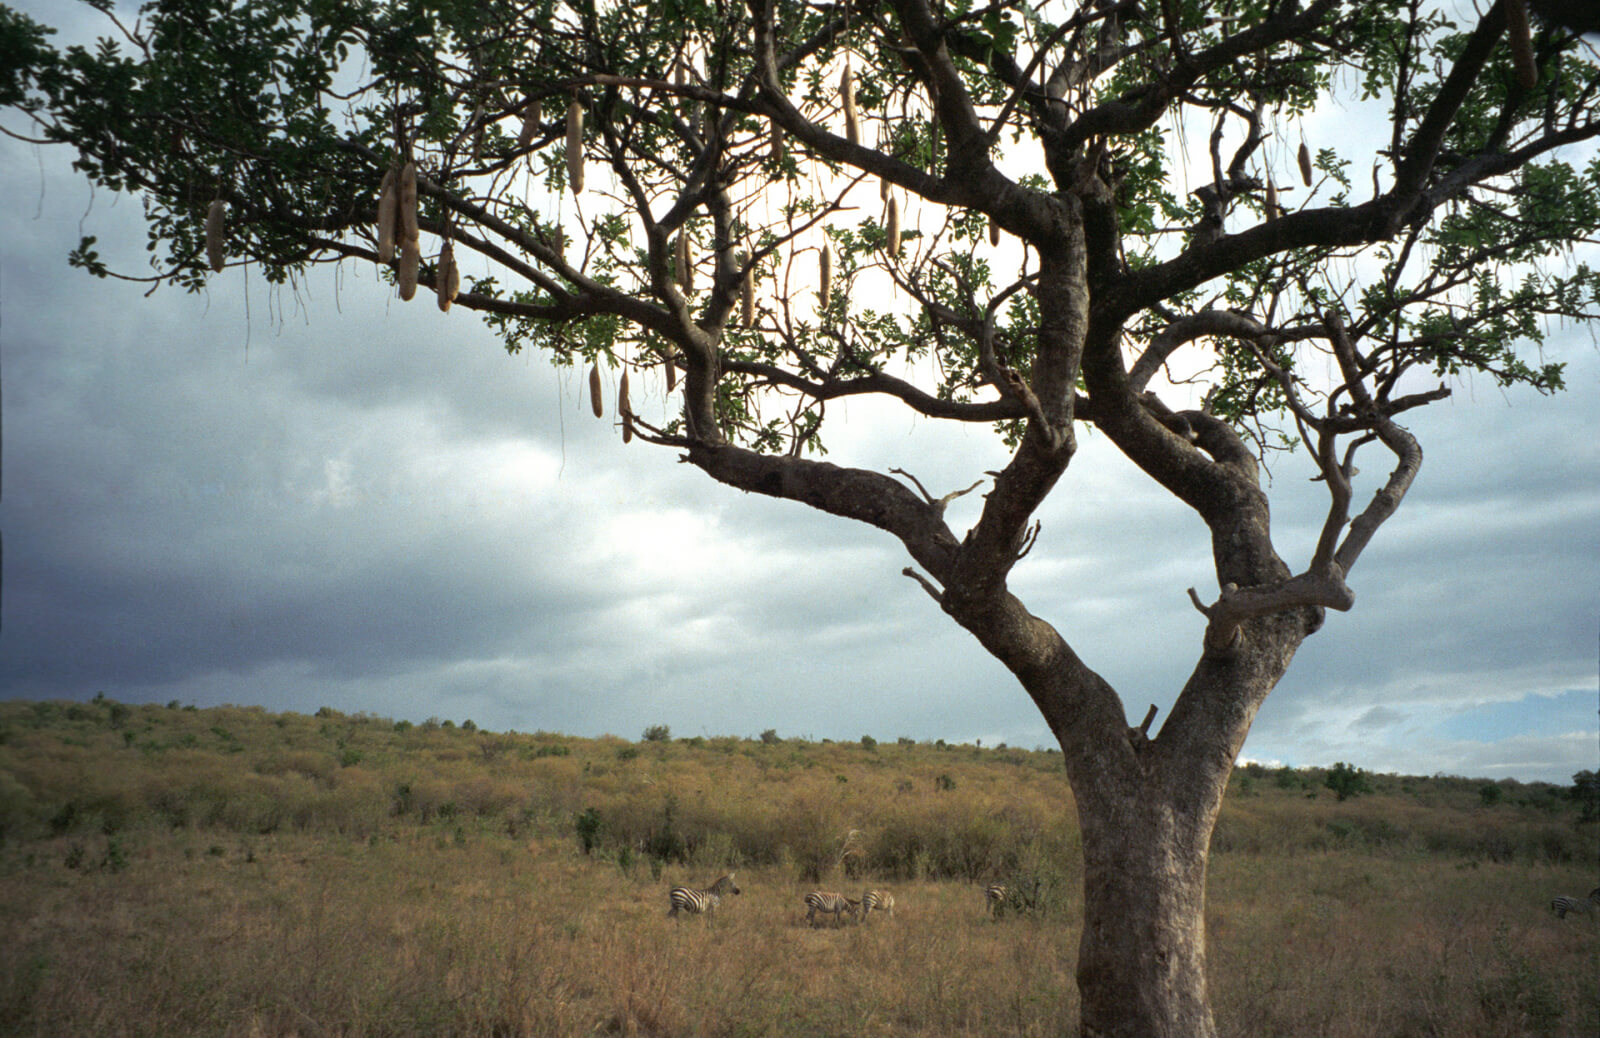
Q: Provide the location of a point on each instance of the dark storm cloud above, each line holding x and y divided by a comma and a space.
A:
326, 497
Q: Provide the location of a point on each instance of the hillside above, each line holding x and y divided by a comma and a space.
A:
919, 810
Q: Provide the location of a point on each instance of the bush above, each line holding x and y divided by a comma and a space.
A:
770, 737
588, 826
1586, 791
1347, 780
657, 733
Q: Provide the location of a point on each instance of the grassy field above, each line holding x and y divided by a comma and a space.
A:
170, 871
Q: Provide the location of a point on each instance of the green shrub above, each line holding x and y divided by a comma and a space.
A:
1586, 791
1347, 781
588, 827
115, 859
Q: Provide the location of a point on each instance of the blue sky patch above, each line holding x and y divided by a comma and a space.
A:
1572, 711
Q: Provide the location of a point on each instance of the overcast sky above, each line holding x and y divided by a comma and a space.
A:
330, 497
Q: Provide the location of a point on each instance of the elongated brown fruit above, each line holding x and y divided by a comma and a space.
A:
747, 299
826, 291
892, 246
1521, 44
1272, 201
672, 373
388, 201
847, 94
1305, 163
595, 402
530, 124
994, 232
446, 279
575, 145
683, 269
410, 259
216, 233
408, 202
775, 141
624, 409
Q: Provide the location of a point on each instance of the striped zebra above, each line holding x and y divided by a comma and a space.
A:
1562, 905
994, 895
877, 901
693, 901
826, 902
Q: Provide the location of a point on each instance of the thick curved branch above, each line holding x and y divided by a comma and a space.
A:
880, 383
869, 497
1184, 330
1139, 109
1406, 449
1236, 605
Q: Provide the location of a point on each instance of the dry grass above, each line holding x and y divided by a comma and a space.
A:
428, 934
300, 935
300, 876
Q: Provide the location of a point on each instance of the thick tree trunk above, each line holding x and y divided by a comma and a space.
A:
1146, 840
1142, 954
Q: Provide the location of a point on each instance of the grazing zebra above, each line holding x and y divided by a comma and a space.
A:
994, 895
825, 902
697, 901
877, 900
1562, 905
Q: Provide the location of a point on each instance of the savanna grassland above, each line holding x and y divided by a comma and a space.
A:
230, 871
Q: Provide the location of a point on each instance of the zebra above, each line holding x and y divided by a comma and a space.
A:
695, 901
877, 900
825, 902
994, 895
1562, 905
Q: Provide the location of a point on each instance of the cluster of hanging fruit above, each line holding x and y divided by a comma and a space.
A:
398, 234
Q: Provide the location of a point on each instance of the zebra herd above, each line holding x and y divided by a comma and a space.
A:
823, 902
698, 901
